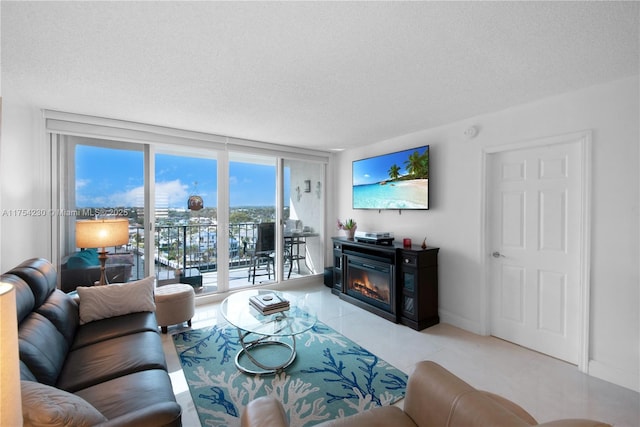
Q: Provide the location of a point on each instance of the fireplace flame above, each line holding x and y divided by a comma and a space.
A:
366, 286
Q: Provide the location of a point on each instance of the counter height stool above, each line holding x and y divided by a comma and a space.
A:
175, 304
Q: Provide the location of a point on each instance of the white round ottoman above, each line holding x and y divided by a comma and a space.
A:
174, 304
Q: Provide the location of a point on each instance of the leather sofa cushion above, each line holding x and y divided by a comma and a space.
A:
43, 266
264, 411
37, 281
25, 300
106, 360
382, 416
42, 348
102, 330
107, 397
43, 405
62, 311
25, 373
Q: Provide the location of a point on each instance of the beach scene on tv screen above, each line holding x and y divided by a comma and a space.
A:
397, 180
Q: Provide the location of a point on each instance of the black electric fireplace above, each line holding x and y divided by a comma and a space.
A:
395, 282
370, 282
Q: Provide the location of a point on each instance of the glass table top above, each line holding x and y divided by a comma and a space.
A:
237, 310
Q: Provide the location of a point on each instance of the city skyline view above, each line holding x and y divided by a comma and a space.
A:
177, 178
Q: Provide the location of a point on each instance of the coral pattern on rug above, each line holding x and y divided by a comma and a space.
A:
331, 377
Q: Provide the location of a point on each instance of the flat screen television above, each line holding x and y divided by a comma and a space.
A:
397, 180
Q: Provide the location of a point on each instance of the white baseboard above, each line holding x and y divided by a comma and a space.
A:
630, 380
459, 322
623, 378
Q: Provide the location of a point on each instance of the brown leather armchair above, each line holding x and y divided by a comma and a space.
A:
435, 398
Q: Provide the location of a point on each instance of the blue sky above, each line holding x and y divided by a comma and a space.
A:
107, 177
376, 169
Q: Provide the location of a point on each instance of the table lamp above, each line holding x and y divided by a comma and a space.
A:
102, 233
10, 393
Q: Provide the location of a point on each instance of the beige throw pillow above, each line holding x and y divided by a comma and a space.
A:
43, 405
101, 302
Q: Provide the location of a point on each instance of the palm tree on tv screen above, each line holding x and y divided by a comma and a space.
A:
394, 171
418, 165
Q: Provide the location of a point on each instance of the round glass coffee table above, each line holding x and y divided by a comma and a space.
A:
268, 341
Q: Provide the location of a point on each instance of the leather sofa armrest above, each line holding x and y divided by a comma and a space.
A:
512, 406
264, 412
437, 397
432, 383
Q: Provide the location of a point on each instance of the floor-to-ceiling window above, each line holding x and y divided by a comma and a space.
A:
195, 203
186, 238
106, 181
252, 218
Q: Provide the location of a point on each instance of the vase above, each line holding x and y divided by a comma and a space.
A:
350, 233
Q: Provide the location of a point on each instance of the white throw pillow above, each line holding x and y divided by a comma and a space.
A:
44, 406
101, 302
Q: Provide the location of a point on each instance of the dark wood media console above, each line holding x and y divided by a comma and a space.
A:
414, 276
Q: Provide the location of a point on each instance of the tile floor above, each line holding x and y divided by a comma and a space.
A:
547, 388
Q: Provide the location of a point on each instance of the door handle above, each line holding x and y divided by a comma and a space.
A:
497, 254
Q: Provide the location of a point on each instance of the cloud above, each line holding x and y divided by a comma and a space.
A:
133, 197
168, 194
171, 194
81, 183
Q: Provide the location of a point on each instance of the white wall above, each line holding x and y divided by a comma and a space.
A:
453, 222
24, 185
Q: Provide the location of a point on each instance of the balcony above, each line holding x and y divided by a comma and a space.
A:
189, 254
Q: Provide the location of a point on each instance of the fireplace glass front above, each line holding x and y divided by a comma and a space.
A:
371, 281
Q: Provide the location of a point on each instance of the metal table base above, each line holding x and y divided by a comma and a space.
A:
265, 340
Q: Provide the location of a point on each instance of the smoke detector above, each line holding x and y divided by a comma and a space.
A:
471, 132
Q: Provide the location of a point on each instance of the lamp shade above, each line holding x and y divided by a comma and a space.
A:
102, 233
10, 394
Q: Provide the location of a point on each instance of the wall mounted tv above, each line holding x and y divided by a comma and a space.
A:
397, 180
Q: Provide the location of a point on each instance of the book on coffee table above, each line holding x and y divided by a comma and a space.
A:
269, 303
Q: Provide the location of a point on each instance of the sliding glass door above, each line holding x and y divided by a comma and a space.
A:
108, 182
186, 237
252, 219
213, 218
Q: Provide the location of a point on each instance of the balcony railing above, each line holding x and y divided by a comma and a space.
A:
184, 247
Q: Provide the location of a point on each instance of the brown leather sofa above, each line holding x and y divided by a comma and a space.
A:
435, 398
109, 372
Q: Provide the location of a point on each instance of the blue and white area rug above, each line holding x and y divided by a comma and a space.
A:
331, 377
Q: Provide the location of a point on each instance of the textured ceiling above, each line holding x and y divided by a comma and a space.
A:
323, 75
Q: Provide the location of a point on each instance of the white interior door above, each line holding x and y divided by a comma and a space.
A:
535, 224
